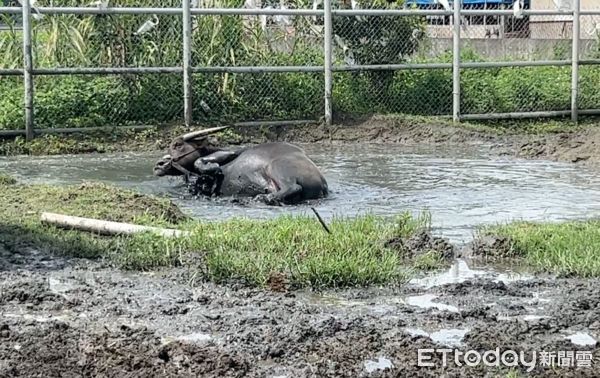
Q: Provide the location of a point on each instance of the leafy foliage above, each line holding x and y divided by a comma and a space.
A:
110, 41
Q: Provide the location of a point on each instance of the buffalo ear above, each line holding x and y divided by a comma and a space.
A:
177, 143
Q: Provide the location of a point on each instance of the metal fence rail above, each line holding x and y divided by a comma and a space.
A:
332, 60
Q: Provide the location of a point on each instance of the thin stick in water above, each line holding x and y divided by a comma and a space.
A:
321, 220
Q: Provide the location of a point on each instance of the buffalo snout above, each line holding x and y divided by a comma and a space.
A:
164, 167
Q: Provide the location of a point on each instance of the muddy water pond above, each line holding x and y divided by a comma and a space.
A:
461, 188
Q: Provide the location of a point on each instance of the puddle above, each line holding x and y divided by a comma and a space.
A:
386, 304
60, 287
416, 332
39, 318
526, 318
451, 337
460, 272
581, 338
382, 363
426, 301
336, 301
195, 337
531, 318
461, 187
192, 338
512, 277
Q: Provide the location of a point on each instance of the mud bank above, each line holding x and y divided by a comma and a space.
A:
63, 317
552, 140
560, 143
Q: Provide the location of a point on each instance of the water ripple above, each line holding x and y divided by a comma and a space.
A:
460, 187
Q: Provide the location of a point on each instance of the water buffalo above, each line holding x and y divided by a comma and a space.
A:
274, 173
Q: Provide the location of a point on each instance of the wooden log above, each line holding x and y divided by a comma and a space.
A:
105, 227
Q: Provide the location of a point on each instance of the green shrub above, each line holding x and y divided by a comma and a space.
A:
12, 110
78, 101
154, 99
108, 101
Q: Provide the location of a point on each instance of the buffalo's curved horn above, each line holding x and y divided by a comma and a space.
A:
203, 133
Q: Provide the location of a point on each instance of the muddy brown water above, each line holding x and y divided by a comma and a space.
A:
461, 188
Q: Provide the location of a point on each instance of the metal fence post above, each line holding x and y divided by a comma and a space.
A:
575, 61
27, 70
456, 62
327, 68
187, 62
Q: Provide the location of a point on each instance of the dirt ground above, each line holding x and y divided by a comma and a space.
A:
68, 318
565, 143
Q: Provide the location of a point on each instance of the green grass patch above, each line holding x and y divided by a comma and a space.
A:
108, 140
294, 248
21, 206
538, 126
7, 180
429, 261
566, 248
24, 203
298, 247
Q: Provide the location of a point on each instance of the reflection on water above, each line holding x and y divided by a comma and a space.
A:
461, 188
460, 271
382, 363
582, 338
427, 301
450, 337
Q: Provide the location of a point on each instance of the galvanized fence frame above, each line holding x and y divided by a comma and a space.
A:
29, 72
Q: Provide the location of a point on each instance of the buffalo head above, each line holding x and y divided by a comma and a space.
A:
184, 151
163, 167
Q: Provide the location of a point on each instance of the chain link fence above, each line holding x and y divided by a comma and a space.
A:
484, 38
115, 68
79, 41
589, 95
251, 42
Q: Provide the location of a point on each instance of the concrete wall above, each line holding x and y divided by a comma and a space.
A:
551, 27
513, 48
540, 27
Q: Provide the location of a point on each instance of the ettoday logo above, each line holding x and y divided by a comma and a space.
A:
507, 358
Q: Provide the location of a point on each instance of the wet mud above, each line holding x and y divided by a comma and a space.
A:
576, 144
72, 318
579, 145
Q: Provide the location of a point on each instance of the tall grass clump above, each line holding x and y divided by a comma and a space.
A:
298, 248
295, 248
565, 248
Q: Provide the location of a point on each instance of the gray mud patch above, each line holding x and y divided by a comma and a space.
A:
89, 320
421, 242
577, 146
490, 246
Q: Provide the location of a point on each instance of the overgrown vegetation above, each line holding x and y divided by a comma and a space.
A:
109, 140
565, 248
80, 101
293, 251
